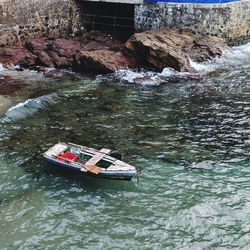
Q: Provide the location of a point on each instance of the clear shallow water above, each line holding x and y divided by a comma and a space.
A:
191, 138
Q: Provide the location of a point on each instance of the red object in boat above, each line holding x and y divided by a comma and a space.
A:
68, 156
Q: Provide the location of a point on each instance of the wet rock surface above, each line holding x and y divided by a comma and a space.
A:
103, 61
97, 53
17, 55
169, 48
203, 49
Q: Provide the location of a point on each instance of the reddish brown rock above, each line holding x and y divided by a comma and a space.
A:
44, 59
65, 47
59, 61
17, 55
160, 49
170, 48
95, 52
37, 45
103, 61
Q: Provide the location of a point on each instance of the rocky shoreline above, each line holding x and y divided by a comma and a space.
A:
97, 53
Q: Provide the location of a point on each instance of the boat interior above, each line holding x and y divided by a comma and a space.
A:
73, 154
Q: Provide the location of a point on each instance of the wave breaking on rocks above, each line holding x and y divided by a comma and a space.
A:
98, 53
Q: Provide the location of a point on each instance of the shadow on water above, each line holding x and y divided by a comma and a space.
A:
89, 183
29, 176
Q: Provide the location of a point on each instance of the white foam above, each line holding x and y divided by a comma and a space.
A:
169, 72
130, 76
203, 67
233, 57
28, 108
1, 67
148, 78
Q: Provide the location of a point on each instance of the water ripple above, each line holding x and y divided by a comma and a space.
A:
191, 138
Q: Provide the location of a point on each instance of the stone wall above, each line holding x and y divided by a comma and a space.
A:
116, 1
230, 20
21, 20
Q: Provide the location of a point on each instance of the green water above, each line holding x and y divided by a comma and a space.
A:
190, 137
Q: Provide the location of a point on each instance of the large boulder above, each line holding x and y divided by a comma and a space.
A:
38, 44
205, 48
66, 48
44, 59
169, 48
103, 61
57, 53
101, 53
60, 61
17, 55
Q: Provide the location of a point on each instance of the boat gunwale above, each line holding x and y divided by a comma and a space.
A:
80, 166
107, 173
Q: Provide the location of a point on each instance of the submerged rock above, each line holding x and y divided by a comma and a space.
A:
204, 165
60, 74
5, 103
9, 86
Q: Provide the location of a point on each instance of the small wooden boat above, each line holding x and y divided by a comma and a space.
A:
88, 161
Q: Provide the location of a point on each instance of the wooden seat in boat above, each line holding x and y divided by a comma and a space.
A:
93, 169
90, 165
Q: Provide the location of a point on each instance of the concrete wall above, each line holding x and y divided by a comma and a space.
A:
230, 20
21, 20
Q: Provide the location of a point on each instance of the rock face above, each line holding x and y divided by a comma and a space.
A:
100, 53
103, 61
203, 49
16, 55
170, 48
90, 53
